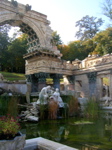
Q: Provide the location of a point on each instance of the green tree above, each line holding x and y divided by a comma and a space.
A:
64, 49
4, 42
16, 50
75, 50
56, 39
103, 41
88, 27
107, 8
88, 47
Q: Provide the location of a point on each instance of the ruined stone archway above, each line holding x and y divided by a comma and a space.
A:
43, 60
17, 14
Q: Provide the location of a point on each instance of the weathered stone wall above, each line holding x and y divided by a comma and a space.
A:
81, 85
15, 87
100, 67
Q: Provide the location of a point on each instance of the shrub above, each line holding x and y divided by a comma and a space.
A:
73, 106
9, 127
4, 100
13, 106
92, 108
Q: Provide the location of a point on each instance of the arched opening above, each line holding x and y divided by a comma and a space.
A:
13, 48
33, 40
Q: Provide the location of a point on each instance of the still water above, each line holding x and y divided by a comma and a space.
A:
94, 136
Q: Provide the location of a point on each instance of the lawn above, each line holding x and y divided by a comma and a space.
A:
13, 76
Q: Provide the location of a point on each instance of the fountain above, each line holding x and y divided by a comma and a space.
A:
47, 97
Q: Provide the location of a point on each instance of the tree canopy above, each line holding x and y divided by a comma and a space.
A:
103, 41
88, 27
16, 50
56, 39
11, 52
4, 42
107, 8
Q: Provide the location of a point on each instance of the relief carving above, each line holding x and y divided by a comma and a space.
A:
100, 61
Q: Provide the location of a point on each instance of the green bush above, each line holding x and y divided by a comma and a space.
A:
73, 107
9, 104
92, 108
4, 100
13, 106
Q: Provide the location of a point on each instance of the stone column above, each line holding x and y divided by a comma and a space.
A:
33, 80
71, 80
92, 83
56, 80
110, 86
41, 77
99, 86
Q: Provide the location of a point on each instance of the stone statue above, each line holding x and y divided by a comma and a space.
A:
43, 95
57, 98
105, 91
28, 7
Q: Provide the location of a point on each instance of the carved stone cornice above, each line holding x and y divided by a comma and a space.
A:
39, 53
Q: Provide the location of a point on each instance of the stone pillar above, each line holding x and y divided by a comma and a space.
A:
34, 83
41, 77
92, 83
110, 86
56, 80
99, 86
71, 80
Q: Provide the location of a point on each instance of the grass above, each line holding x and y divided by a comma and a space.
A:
13, 76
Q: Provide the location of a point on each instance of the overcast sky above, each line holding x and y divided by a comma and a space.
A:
63, 14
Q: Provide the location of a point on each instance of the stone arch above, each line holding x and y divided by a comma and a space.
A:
6, 18
37, 27
36, 21
37, 31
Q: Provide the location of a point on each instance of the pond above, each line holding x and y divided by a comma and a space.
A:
96, 135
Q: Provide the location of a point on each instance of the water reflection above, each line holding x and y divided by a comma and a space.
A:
96, 136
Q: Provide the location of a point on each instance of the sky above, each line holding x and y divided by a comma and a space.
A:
63, 14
